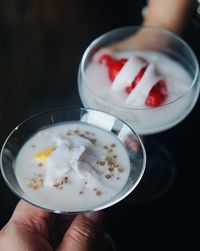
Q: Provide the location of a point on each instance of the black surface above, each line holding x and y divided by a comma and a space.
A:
41, 44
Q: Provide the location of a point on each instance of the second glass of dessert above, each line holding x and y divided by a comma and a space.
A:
149, 78
72, 160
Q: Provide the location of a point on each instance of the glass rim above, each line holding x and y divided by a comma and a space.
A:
104, 205
132, 28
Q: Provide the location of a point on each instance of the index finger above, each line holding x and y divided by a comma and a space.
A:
32, 216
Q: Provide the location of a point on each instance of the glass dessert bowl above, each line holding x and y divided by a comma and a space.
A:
146, 76
72, 160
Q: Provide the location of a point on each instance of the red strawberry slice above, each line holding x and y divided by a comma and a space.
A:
136, 80
106, 59
154, 99
114, 65
157, 95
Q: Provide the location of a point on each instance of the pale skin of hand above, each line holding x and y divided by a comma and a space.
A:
34, 229
171, 15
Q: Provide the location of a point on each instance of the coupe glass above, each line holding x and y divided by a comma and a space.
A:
159, 172
99, 119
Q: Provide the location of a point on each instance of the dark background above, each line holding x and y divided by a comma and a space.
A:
41, 45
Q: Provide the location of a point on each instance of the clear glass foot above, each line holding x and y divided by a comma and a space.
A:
158, 176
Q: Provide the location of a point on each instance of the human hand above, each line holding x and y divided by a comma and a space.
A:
142, 38
170, 15
33, 229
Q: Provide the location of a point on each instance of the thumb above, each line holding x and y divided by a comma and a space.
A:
84, 234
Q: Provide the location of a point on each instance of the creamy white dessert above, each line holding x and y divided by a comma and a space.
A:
72, 167
99, 89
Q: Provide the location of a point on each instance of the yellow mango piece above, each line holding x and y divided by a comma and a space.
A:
45, 153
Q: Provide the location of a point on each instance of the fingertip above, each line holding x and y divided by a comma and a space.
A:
96, 217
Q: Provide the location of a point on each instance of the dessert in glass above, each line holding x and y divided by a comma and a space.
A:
72, 160
148, 77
